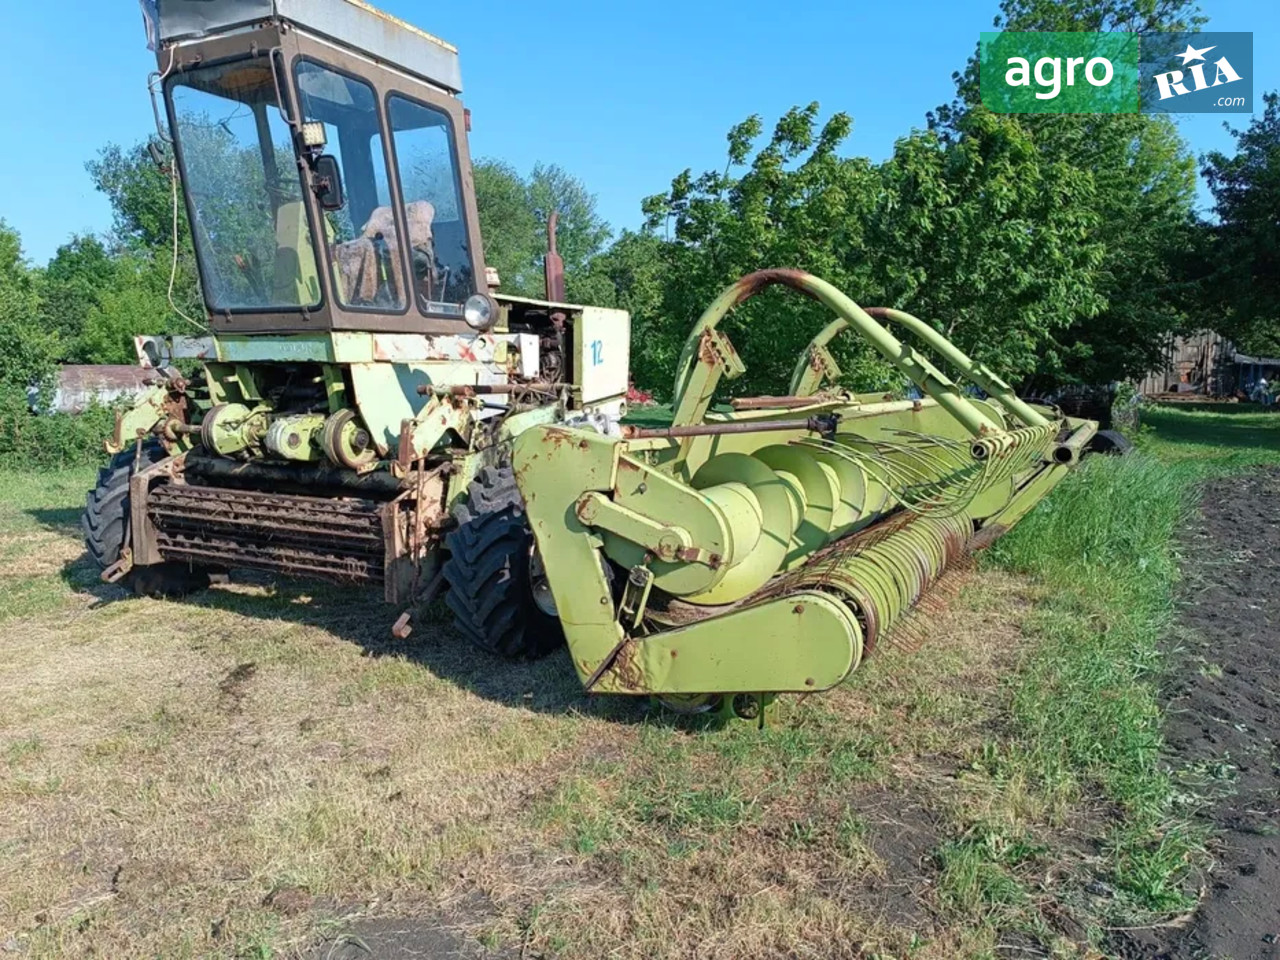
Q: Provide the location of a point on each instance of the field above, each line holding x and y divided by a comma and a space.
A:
262, 771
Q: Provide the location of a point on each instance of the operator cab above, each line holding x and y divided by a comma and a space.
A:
327, 182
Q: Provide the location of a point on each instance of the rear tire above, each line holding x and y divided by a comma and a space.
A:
492, 594
1112, 443
103, 523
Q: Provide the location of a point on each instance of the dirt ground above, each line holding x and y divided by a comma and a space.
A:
262, 771
1223, 720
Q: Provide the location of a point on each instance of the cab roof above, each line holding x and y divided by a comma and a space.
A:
350, 23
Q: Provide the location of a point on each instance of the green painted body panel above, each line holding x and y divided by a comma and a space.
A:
802, 643
137, 420
292, 348
554, 466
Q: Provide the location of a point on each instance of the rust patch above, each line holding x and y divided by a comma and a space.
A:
748, 286
986, 537
557, 437
707, 352
626, 666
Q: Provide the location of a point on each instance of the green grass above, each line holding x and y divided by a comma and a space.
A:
34, 577
1084, 704
31, 501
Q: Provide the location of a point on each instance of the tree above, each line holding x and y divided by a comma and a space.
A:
988, 239
975, 232
139, 264
1141, 202
580, 233
793, 202
509, 226
73, 282
632, 275
513, 221
134, 302
141, 197
1244, 283
28, 349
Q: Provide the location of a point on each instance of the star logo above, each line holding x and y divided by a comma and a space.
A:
1191, 53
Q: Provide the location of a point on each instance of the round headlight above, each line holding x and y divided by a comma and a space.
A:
480, 311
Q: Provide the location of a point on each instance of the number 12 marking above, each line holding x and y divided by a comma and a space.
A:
597, 352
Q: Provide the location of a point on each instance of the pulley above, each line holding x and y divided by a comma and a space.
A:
346, 441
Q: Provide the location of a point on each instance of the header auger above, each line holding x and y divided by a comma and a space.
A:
731, 557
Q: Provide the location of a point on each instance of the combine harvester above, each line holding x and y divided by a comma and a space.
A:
372, 410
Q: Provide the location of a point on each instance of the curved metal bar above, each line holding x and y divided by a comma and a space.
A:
707, 354
969, 368
816, 362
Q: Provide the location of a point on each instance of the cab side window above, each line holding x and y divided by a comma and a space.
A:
426, 159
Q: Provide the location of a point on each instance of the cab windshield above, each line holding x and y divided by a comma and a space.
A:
238, 167
363, 239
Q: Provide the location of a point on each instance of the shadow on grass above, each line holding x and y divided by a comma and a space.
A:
1216, 425
65, 520
359, 616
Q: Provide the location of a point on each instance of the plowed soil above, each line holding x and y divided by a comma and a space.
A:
1223, 706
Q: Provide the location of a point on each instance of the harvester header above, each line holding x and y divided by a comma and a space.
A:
736, 555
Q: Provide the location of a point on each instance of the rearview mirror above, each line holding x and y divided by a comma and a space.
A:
327, 182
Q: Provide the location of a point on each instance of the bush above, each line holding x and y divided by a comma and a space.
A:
50, 440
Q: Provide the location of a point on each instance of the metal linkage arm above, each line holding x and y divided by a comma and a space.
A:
972, 370
704, 360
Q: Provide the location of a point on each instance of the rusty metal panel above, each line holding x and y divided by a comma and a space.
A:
181, 19
79, 387
352, 23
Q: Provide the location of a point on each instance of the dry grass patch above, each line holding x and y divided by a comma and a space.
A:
228, 775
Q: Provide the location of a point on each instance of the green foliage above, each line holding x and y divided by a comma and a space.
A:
632, 275
976, 231
792, 202
59, 440
513, 221
96, 294
73, 280
1143, 188
28, 349
1140, 201
141, 197
97, 299
134, 302
1245, 255
987, 236
509, 226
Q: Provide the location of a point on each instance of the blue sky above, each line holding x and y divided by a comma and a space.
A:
624, 95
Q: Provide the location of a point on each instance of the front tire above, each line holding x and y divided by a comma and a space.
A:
496, 592
1110, 443
105, 518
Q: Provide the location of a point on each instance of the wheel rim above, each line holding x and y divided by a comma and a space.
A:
539, 585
